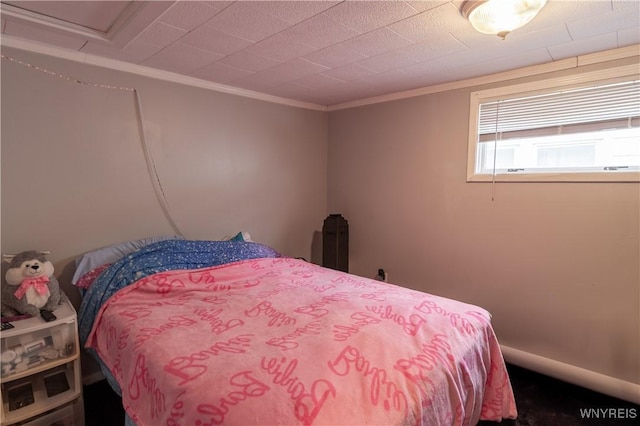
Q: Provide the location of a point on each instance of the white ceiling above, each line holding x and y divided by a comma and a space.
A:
320, 52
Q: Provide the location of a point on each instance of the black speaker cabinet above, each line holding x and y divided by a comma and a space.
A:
335, 243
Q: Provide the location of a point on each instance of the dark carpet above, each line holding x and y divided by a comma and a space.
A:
541, 401
544, 401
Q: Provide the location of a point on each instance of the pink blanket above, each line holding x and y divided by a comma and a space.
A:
282, 341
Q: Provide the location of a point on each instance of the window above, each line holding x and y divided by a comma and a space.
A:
585, 128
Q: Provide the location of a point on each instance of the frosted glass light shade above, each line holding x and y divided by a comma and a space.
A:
500, 16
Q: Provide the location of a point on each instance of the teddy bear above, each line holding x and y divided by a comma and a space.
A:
30, 287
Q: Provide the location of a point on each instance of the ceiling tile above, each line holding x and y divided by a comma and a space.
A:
294, 12
293, 70
281, 74
515, 61
624, 4
428, 68
377, 42
254, 84
334, 97
280, 48
160, 34
181, 58
547, 36
448, 19
220, 73
486, 66
387, 61
600, 24
367, 16
207, 38
429, 50
320, 31
249, 61
289, 90
628, 37
393, 80
424, 5
130, 26
432, 23
349, 72
561, 12
320, 81
246, 20
334, 56
584, 46
134, 52
190, 14
465, 60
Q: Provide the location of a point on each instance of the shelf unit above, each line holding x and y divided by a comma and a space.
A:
41, 378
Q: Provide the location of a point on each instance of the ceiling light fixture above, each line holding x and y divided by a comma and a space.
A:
500, 17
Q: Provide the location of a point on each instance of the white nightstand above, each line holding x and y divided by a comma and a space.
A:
41, 378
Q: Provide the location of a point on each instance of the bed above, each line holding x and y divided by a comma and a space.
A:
230, 332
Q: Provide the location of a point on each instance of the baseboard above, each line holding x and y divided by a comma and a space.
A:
607, 385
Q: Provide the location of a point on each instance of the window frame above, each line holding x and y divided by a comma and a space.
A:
609, 75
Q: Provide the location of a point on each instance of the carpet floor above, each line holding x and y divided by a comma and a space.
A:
544, 401
541, 401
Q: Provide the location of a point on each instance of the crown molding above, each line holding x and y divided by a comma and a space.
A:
609, 55
89, 59
563, 64
476, 81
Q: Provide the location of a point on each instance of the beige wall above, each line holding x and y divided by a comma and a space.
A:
557, 264
74, 177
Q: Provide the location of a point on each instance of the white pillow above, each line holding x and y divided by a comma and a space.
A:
109, 254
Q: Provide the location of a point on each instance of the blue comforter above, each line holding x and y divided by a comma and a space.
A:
160, 257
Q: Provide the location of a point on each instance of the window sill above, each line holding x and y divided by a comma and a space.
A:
619, 177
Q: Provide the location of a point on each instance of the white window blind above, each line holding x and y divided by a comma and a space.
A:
582, 128
610, 106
